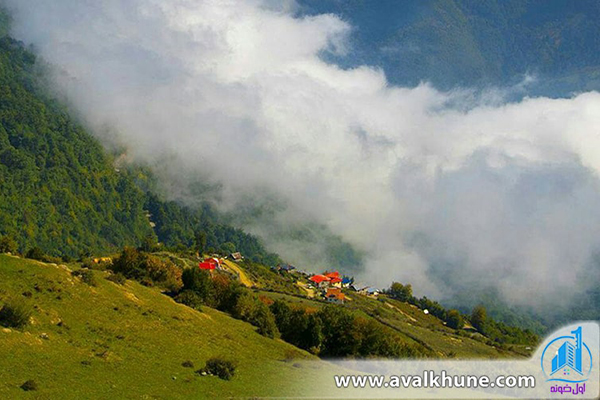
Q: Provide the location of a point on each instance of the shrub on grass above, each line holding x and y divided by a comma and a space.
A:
130, 263
400, 292
86, 276
164, 272
221, 367
15, 314
187, 364
479, 318
117, 278
29, 385
264, 320
148, 269
190, 299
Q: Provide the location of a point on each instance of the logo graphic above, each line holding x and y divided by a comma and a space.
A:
567, 359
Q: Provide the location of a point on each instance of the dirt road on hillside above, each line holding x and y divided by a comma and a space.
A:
240, 273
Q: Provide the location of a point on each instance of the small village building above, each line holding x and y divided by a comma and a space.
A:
237, 256
334, 279
210, 263
287, 268
320, 280
214, 260
347, 281
361, 288
335, 295
207, 265
336, 282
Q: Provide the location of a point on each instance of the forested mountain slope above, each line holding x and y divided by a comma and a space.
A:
58, 189
60, 192
475, 43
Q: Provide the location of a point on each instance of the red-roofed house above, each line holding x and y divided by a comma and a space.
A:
213, 260
337, 282
320, 280
207, 265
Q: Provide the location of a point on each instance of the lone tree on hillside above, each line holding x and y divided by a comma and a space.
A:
454, 319
401, 292
7, 244
479, 318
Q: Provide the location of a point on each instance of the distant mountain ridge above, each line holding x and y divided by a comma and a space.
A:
474, 43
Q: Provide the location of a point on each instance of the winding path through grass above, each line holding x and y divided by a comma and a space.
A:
240, 273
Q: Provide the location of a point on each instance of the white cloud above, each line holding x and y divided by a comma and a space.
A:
439, 188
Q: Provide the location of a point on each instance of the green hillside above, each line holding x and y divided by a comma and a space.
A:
129, 342
426, 333
89, 336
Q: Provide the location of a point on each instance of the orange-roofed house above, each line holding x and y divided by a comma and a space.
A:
334, 279
335, 295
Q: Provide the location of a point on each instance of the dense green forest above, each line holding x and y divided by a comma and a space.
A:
58, 189
202, 229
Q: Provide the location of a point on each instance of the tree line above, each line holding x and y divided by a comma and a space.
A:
478, 318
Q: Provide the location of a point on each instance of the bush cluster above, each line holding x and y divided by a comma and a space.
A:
190, 299
86, 276
15, 314
221, 367
251, 309
147, 268
29, 386
199, 287
117, 278
334, 331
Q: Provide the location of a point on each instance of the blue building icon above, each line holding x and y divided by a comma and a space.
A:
569, 354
